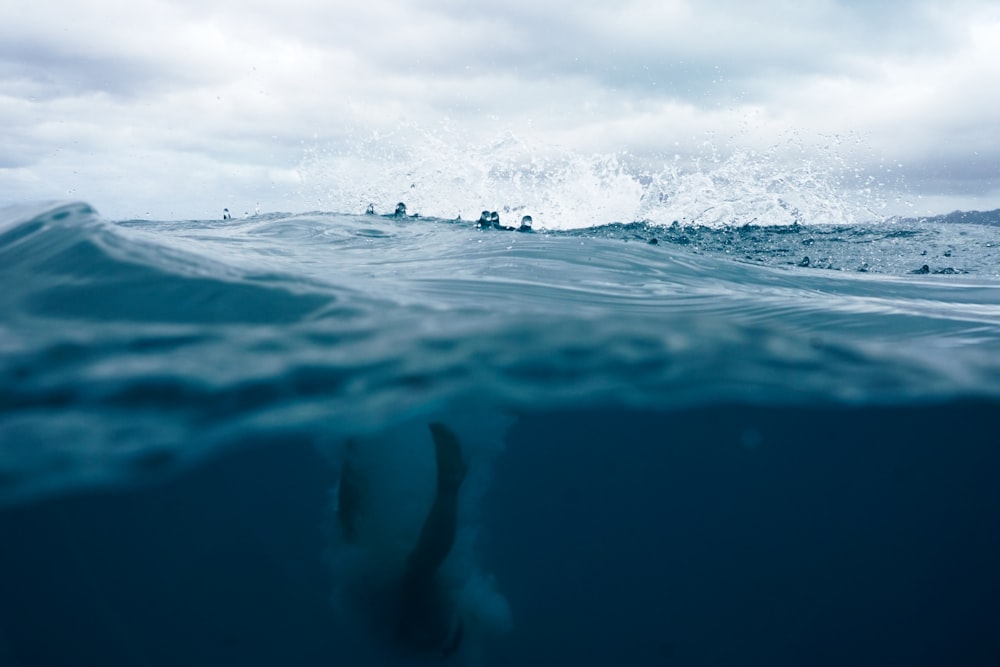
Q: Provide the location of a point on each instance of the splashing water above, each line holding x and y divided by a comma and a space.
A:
443, 174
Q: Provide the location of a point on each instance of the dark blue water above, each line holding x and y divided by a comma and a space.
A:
686, 446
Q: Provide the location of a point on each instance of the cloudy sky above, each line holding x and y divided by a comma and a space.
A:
174, 109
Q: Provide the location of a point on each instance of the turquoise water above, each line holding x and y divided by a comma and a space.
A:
687, 445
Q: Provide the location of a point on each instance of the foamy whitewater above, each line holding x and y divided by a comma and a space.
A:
710, 417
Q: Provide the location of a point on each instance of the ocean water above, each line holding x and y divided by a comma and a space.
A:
697, 443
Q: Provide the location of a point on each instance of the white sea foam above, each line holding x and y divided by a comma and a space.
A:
444, 174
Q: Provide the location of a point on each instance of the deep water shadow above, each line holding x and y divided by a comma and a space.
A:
748, 536
713, 536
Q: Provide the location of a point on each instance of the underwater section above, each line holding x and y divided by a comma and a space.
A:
726, 534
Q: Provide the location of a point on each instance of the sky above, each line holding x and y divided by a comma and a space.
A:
176, 109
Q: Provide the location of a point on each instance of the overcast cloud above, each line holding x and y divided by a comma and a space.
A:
175, 109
